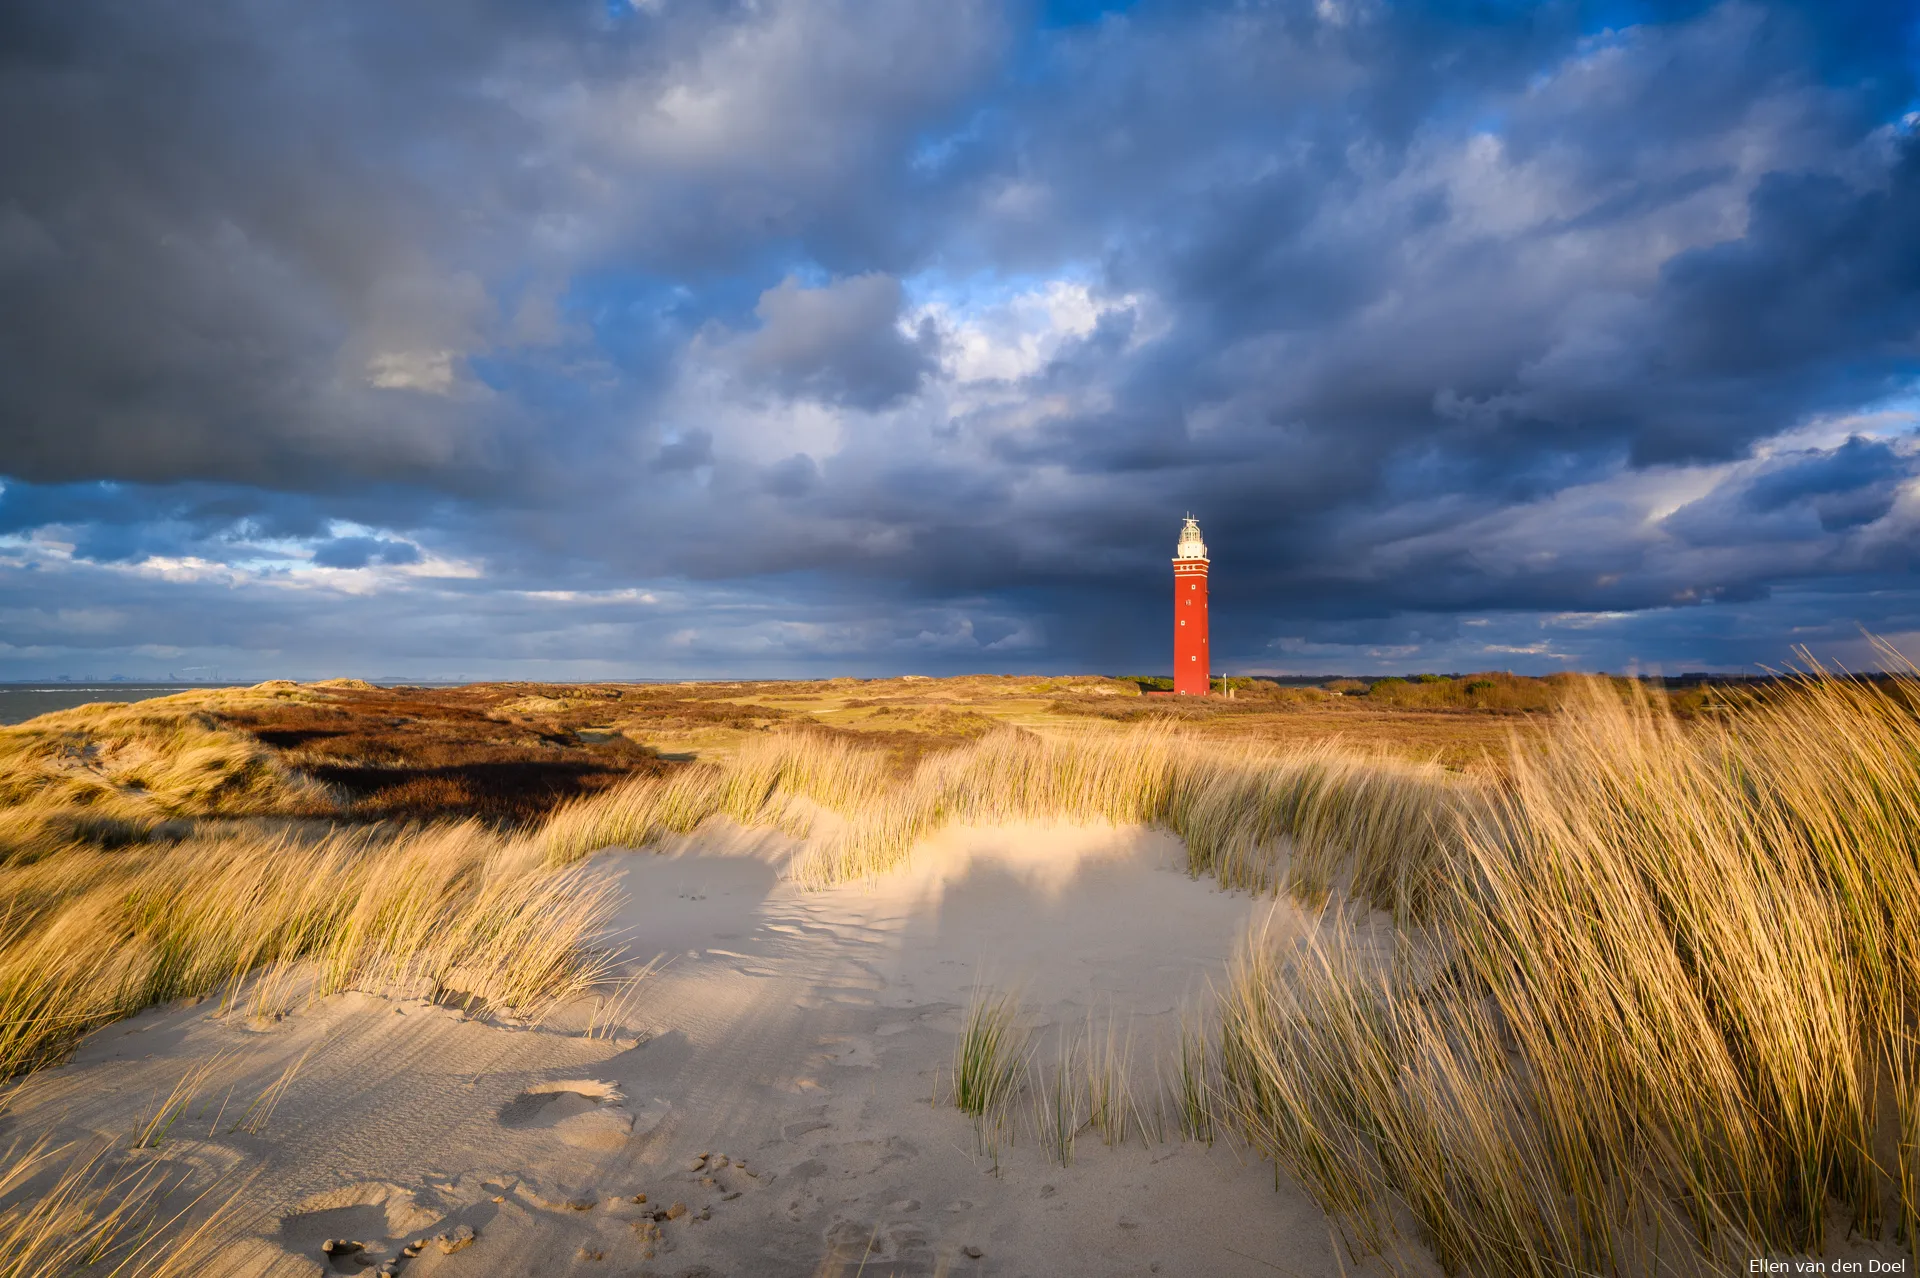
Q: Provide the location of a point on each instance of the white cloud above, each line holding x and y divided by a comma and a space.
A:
1014, 334
592, 596
429, 371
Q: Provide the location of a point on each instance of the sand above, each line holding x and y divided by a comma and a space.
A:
801, 1035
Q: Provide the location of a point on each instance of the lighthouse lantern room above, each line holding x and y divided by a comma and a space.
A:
1190, 666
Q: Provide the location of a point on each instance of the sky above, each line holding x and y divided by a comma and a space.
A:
793, 338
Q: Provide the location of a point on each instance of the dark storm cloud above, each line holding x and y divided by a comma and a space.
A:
1486, 322
794, 477
115, 522
207, 219
693, 449
206, 508
259, 242
840, 343
911, 329
358, 552
1804, 496
1816, 306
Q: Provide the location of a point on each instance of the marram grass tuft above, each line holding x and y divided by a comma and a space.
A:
1661, 1018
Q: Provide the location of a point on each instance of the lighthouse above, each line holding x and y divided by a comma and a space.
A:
1190, 666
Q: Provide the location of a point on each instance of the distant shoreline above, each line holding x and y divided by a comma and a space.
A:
23, 699
26, 700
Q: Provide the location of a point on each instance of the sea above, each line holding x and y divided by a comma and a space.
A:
22, 701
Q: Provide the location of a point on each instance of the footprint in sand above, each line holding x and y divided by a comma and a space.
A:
901, 1248
368, 1214
584, 1113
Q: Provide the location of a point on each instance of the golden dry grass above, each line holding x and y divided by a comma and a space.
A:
339, 749
93, 1209
1369, 822
110, 774
89, 935
1659, 1012
1674, 1021
1083, 1081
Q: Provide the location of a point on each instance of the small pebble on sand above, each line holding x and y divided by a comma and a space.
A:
676, 1211
972, 1252
454, 1239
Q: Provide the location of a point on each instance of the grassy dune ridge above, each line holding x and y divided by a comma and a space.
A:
1676, 1025
1660, 1011
112, 774
93, 929
1371, 822
91, 935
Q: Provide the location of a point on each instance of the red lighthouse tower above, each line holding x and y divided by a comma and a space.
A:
1190, 666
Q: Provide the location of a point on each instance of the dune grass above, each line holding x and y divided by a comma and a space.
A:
1107, 1059
90, 935
1660, 1011
90, 1208
109, 774
1061, 1102
1673, 1026
991, 1054
95, 928
167, 755
117, 892
1084, 1081
1370, 823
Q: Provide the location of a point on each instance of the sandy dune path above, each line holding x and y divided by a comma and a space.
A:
800, 1033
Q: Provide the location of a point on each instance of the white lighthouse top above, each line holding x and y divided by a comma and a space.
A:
1191, 546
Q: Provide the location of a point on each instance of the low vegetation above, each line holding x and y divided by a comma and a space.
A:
1084, 1082
115, 774
991, 1054
505, 753
1658, 1013
1673, 1021
1250, 816
95, 1208
1654, 1007
1494, 691
454, 910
